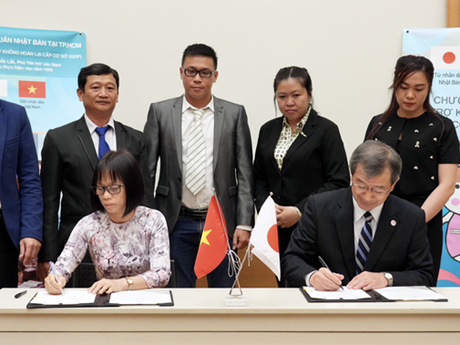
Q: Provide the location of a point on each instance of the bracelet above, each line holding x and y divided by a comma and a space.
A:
298, 212
244, 227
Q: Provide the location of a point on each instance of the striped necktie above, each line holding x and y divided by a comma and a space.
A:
103, 146
196, 155
364, 245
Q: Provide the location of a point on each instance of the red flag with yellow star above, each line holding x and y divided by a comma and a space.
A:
32, 89
213, 245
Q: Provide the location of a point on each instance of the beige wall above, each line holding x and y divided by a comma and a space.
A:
349, 47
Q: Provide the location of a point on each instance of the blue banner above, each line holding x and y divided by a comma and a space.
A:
442, 47
38, 70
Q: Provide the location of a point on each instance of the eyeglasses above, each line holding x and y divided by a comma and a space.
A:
377, 191
113, 189
205, 73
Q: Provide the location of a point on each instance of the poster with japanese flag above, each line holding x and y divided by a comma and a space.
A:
442, 47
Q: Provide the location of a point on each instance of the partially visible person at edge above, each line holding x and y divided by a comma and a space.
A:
21, 200
128, 243
298, 154
426, 141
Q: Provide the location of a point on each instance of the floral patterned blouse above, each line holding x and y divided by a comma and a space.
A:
138, 247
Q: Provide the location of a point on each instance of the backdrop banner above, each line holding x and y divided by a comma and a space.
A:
38, 70
442, 47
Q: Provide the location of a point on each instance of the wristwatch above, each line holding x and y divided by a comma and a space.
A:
388, 277
130, 283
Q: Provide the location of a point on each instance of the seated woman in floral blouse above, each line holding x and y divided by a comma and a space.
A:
128, 243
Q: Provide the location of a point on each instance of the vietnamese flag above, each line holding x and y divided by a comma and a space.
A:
32, 89
213, 245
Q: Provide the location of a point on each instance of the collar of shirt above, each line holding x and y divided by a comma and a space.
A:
358, 212
186, 105
92, 126
110, 135
301, 123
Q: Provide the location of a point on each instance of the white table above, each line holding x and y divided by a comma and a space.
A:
272, 316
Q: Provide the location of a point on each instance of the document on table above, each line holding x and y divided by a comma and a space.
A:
410, 293
345, 294
69, 297
147, 297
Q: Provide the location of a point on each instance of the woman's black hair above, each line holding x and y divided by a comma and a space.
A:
405, 67
120, 165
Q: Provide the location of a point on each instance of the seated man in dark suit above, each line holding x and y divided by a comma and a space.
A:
368, 238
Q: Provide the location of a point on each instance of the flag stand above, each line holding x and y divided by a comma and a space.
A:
236, 299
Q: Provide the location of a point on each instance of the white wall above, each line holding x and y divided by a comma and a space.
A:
350, 48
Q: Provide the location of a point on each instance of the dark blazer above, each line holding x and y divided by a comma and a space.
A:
22, 207
400, 245
68, 162
316, 162
232, 160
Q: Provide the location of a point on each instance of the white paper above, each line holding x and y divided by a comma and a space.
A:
409, 293
141, 297
345, 294
68, 297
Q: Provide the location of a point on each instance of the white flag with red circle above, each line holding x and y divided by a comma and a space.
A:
264, 237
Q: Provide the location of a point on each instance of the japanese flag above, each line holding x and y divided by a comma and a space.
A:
264, 237
445, 57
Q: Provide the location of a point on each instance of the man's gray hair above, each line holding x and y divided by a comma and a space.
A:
375, 156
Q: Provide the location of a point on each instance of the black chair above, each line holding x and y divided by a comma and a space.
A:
172, 279
85, 275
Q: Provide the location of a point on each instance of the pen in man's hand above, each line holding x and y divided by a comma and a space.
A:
323, 263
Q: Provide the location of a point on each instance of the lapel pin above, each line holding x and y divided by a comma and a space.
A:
393, 222
303, 134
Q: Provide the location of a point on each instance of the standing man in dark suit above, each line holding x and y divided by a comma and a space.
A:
20, 193
70, 154
368, 238
203, 143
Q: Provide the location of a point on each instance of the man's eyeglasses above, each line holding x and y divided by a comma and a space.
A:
378, 191
113, 189
205, 73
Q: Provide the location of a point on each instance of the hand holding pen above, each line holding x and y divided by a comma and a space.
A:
54, 282
325, 280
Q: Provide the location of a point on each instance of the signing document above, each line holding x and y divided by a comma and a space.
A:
341, 294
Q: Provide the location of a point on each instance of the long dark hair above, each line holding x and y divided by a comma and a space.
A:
405, 67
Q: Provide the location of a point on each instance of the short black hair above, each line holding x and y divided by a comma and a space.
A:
199, 49
375, 156
123, 166
96, 69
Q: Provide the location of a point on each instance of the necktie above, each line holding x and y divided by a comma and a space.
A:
196, 155
364, 245
103, 146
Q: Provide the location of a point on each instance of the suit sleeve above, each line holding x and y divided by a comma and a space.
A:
419, 265
149, 201
298, 260
335, 163
30, 191
52, 179
152, 143
244, 173
260, 174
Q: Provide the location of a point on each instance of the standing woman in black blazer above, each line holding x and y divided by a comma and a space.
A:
298, 154
426, 141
